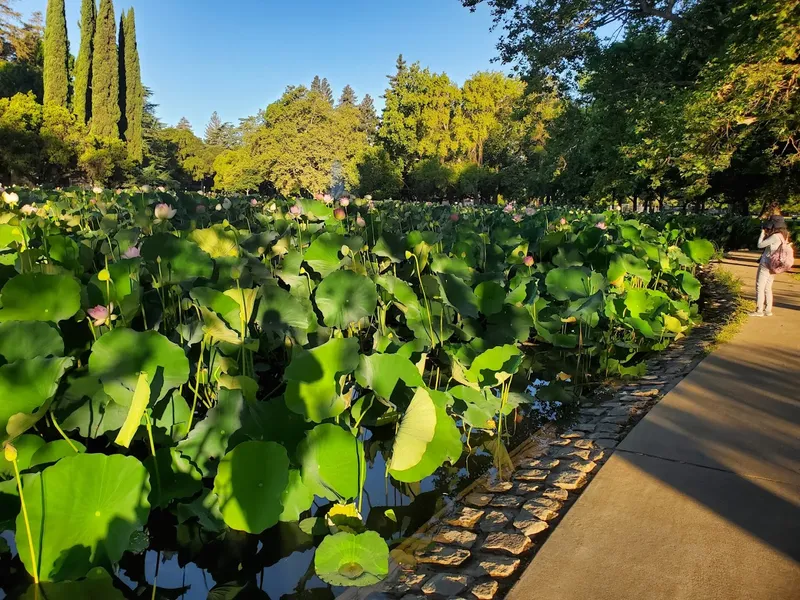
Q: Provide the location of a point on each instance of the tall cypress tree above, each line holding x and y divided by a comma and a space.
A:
105, 74
82, 96
56, 55
131, 78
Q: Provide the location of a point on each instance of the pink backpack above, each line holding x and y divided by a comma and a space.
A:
782, 259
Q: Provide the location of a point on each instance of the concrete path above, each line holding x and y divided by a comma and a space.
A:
701, 501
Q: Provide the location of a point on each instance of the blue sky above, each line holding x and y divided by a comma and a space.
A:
236, 56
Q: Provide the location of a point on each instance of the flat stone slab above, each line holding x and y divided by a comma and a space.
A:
486, 590
464, 517
498, 567
478, 500
455, 536
444, 584
531, 475
507, 501
569, 480
494, 520
447, 556
530, 525
510, 543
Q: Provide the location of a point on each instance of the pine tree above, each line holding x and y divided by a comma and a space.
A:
368, 117
316, 84
132, 104
184, 124
56, 55
348, 97
213, 129
401, 66
105, 74
326, 91
82, 97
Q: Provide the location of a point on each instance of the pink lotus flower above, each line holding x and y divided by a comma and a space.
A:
29, 209
296, 210
132, 252
563, 221
100, 314
327, 198
164, 211
339, 214
162, 189
454, 217
253, 202
318, 197
530, 210
528, 261
344, 201
508, 208
601, 225
517, 218
360, 221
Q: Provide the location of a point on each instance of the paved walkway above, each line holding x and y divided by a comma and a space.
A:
701, 501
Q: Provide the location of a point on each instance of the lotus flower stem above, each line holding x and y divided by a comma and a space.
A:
64, 435
10, 454
196, 385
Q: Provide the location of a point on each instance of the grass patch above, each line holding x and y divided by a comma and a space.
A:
729, 285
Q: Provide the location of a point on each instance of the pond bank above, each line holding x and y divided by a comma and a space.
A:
477, 548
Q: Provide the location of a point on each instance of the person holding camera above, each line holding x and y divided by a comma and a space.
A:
776, 258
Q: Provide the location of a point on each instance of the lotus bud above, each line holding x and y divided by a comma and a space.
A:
408, 255
528, 261
344, 201
97, 189
360, 221
454, 217
9, 452
104, 275
345, 250
339, 214
164, 211
146, 189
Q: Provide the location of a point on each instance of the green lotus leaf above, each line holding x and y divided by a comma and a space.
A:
172, 477
280, 312
637, 301
64, 251
444, 445
297, 497
70, 537
26, 445
216, 241
204, 508
459, 295
10, 234
490, 296
416, 431
97, 586
40, 297
54, 451
623, 264
699, 250
26, 389
121, 354
323, 253
21, 340
476, 407
87, 408
208, 440
250, 483
122, 288
495, 365
689, 284
390, 246
573, 283
509, 326
401, 290
345, 297
181, 260
313, 386
442, 263
588, 309
332, 462
381, 372
216, 301
314, 210
347, 559
272, 421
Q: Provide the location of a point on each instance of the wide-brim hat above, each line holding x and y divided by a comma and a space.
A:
776, 222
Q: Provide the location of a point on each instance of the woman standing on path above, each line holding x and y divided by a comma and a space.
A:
772, 237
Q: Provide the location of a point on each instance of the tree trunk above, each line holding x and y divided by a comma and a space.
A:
635, 202
661, 201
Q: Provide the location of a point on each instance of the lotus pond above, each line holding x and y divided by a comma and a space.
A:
246, 397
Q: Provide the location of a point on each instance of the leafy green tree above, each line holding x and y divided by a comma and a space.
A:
378, 175
545, 38
183, 123
430, 180
191, 160
56, 55
82, 97
487, 99
131, 90
105, 160
368, 117
106, 111
417, 118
